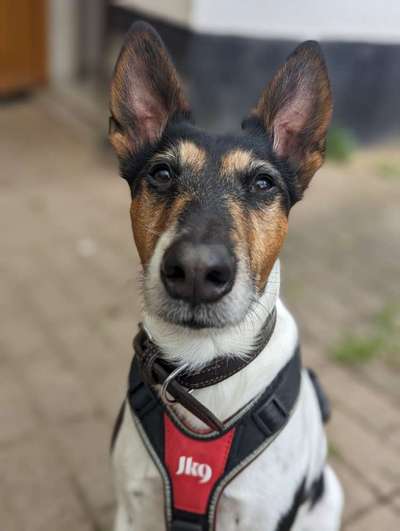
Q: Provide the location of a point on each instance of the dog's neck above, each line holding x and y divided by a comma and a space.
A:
198, 347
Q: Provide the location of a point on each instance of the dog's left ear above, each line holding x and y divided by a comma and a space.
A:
296, 108
145, 92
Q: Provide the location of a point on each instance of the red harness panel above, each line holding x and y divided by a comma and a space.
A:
194, 466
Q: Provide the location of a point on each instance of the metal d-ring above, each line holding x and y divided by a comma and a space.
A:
167, 381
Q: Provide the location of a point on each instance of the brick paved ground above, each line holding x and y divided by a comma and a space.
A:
69, 307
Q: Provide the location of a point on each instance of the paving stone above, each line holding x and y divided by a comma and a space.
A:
363, 401
363, 449
396, 504
85, 445
21, 338
394, 438
43, 493
358, 497
111, 391
381, 517
58, 390
8, 517
91, 352
103, 368
384, 378
17, 417
19, 333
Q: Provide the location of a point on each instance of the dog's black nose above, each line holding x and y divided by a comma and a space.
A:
198, 272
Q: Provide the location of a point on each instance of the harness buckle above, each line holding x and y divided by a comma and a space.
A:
270, 416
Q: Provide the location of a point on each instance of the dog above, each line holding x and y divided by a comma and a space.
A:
209, 216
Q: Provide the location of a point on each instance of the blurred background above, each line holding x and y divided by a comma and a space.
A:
70, 304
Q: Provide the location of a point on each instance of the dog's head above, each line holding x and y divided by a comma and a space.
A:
210, 212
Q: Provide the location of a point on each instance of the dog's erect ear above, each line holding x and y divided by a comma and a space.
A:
145, 91
296, 109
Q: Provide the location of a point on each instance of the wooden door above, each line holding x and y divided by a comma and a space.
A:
23, 38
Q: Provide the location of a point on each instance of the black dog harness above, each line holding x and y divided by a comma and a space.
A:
195, 467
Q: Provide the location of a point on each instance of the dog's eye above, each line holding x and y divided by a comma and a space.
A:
262, 183
160, 176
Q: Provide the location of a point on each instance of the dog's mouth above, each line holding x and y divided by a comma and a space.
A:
230, 310
195, 323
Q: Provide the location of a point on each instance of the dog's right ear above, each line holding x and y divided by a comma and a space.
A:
295, 110
145, 92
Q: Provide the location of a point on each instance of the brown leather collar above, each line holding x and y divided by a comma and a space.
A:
212, 373
179, 383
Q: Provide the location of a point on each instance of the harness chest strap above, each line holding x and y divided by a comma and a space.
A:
196, 468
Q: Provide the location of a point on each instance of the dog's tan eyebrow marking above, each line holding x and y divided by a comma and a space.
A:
169, 155
237, 160
192, 155
185, 154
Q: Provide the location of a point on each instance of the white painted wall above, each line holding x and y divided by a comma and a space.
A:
178, 11
359, 20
